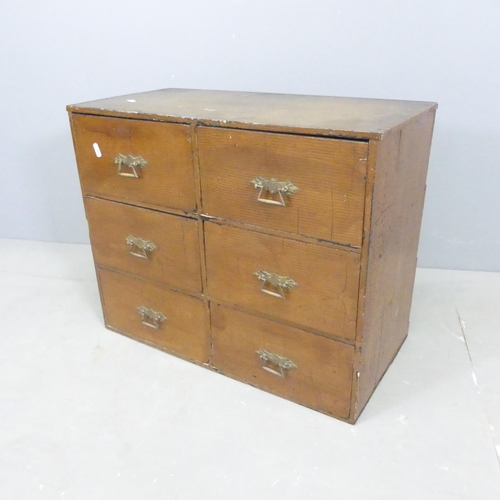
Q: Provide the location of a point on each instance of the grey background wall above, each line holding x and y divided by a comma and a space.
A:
57, 52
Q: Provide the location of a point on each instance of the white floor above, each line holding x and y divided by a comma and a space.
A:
89, 414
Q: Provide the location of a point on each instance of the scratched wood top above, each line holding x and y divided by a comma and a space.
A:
336, 116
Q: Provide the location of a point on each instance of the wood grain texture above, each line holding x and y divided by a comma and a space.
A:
322, 379
166, 182
185, 331
325, 298
335, 116
329, 173
398, 195
174, 262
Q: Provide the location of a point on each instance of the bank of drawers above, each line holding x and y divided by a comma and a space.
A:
237, 249
150, 261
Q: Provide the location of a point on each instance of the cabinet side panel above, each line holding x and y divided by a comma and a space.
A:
398, 197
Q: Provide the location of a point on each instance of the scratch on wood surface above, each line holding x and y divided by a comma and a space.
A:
399, 143
344, 308
345, 283
184, 242
382, 213
333, 213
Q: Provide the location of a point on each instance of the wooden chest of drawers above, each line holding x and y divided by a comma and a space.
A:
272, 238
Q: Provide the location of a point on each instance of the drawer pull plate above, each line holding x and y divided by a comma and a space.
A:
140, 247
273, 187
274, 363
151, 318
130, 166
274, 284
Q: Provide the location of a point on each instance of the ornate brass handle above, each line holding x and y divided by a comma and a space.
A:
274, 284
274, 363
274, 187
130, 166
140, 247
151, 318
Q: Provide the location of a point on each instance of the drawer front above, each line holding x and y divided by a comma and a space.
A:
329, 175
155, 167
154, 245
318, 287
171, 320
300, 366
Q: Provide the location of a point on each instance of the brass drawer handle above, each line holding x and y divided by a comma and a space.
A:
274, 284
130, 166
274, 363
151, 318
140, 247
274, 187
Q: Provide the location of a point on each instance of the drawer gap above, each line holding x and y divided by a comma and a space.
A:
185, 215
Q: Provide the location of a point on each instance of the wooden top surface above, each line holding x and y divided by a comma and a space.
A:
338, 116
